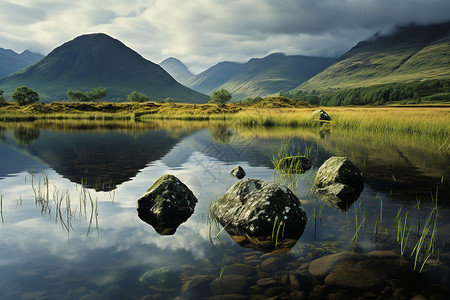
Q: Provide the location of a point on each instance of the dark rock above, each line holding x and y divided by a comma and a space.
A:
267, 282
228, 284
238, 172
253, 208
239, 269
339, 181
277, 291
293, 164
196, 287
166, 204
299, 281
319, 115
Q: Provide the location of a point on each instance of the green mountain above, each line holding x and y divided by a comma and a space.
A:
176, 69
412, 53
259, 76
94, 60
11, 61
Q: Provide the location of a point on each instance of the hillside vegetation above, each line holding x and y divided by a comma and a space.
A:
259, 76
412, 53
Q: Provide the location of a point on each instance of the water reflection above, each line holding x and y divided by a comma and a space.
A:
40, 259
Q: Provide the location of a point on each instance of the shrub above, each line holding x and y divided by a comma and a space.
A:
137, 97
24, 95
220, 97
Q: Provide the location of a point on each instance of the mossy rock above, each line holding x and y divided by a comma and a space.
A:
293, 164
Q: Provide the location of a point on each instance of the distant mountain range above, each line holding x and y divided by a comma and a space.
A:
94, 60
259, 76
176, 69
412, 53
11, 61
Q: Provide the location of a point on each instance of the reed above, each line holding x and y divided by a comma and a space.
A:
426, 246
402, 236
357, 224
1, 208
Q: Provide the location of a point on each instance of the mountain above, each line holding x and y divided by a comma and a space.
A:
176, 69
94, 60
411, 53
259, 76
11, 61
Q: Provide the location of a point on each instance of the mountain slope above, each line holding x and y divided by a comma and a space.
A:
94, 60
259, 76
412, 53
11, 61
176, 69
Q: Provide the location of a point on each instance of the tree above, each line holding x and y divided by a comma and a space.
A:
77, 96
220, 97
24, 95
137, 97
96, 94
91, 96
1, 96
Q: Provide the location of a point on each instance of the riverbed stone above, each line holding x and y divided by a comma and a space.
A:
324, 265
238, 172
166, 204
228, 284
339, 181
239, 269
253, 207
272, 264
296, 164
160, 277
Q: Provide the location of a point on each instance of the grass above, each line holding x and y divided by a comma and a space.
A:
402, 236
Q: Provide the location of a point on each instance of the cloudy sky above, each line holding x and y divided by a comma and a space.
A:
203, 32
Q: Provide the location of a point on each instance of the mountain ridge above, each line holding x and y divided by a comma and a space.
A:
11, 61
176, 69
265, 76
411, 53
93, 60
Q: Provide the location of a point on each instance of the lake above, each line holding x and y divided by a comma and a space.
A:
70, 228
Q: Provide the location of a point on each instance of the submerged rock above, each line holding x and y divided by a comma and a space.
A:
255, 208
238, 172
294, 164
319, 115
161, 278
166, 204
340, 181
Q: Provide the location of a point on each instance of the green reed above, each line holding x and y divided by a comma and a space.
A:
427, 246
1, 208
402, 236
358, 225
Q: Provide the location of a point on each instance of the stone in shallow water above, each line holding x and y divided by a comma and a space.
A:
319, 115
293, 164
339, 181
253, 208
228, 284
166, 204
238, 172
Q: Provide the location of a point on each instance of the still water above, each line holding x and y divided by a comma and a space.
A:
69, 227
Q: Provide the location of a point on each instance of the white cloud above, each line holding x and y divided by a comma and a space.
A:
203, 32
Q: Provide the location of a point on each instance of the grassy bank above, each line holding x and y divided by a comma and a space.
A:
271, 112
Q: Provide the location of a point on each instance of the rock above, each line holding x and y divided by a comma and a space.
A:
166, 204
196, 288
293, 164
340, 181
228, 284
267, 282
277, 291
258, 208
272, 264
353, 275
238, 172
319, 115
239, 269
299, 281
160, 278
324, 265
